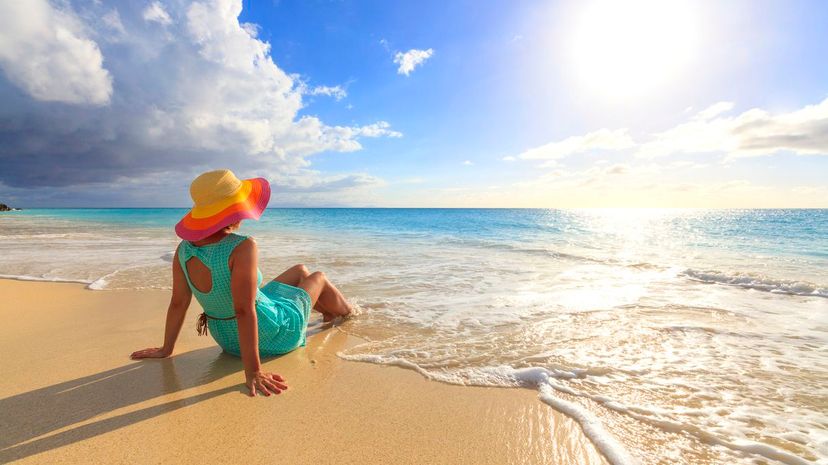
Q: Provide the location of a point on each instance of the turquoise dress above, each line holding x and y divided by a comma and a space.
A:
282, 310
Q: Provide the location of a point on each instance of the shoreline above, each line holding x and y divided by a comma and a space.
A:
72, 395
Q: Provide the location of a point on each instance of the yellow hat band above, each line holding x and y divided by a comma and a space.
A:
217, 207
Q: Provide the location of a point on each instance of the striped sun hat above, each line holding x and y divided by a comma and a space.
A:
219, 200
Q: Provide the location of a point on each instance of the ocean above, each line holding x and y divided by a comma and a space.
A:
671, 336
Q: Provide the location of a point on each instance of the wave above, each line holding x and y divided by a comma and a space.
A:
538, 251
757, 282
506, 376
23, 277
548, 382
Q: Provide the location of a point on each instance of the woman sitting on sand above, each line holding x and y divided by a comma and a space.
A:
220, 268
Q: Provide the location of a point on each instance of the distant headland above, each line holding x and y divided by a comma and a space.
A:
6, 208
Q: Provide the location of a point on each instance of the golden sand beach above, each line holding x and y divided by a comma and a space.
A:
70, 394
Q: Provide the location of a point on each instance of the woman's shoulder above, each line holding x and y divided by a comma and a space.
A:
243, 238
244, 251
244, 243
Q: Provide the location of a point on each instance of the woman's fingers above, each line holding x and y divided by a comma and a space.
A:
272, 386
260, 383
152, 352
278, 381
139, 353
266, 383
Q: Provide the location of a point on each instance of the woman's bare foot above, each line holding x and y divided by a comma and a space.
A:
326, 317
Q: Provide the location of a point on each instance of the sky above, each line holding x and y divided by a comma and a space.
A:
549, 104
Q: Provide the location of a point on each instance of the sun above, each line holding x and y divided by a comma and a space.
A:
623, 49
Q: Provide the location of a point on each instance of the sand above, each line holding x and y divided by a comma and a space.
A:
70, 394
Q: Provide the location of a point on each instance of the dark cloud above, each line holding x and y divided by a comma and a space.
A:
192, 93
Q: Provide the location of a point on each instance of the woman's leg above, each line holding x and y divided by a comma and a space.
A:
324, 293
293, 275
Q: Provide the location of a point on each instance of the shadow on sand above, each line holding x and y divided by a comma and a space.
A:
28, 416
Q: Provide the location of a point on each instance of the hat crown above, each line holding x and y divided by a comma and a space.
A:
214, 186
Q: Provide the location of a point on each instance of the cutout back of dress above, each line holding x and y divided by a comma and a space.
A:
200, 275
218, 301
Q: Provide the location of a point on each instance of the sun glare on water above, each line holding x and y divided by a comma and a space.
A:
625, 49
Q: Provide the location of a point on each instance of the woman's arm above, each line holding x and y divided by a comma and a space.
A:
177, 310
243, 281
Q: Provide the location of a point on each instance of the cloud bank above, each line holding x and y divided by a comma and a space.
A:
752, 133
104, 93
755, 132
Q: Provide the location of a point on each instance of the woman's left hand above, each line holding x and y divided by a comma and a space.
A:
152, 352
266, 382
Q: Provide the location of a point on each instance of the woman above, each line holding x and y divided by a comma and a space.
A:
220, 267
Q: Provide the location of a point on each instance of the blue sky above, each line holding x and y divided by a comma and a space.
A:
548, 104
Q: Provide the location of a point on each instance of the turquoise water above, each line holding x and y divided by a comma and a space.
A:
680, 336
793, 232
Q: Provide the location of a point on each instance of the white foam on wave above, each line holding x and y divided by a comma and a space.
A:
758, 282
99, 284
43, 279
547, 382
534, 377
653, 417
591, 426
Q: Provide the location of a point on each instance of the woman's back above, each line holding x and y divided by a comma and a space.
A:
282, 311
217, 301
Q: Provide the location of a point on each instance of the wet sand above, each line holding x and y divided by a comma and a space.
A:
70, 394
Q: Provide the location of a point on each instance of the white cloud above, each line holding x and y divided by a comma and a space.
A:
112, 20
509, 158
314, 181
467, 163
754, 132
378, 129
156, 12
618, 168
46, 52
204, 93
337, 92
751, 133
603, 139
411, 59
252, 29
714, 110
696, 136
385, 44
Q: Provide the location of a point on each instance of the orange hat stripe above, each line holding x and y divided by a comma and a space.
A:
216, 208
194, 223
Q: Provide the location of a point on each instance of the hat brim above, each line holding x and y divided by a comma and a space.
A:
202, 222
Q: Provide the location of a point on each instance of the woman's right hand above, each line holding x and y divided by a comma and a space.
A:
152, 352
268, 383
